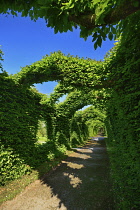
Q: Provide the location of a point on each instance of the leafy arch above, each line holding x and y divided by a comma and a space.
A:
69, 70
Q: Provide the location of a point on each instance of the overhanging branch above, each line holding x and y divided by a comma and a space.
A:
115, 15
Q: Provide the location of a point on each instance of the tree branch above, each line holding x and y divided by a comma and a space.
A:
115, 15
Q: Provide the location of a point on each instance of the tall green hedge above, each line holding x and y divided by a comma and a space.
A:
19, 116
19, 113
123, 122
21, 108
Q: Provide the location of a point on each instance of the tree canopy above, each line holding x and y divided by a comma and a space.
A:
100, 18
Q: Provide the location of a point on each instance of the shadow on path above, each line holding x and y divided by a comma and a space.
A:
83, 180
80, 182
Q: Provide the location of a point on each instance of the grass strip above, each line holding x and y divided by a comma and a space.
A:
14, 187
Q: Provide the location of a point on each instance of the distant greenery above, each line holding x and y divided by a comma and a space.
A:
41, 129
42, 139
41, 132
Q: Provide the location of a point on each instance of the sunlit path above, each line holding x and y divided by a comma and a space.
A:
82, 181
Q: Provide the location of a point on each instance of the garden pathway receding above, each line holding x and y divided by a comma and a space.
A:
80, 182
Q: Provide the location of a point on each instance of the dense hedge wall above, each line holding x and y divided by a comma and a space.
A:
123, 122
19, 120
21, 108
19, 117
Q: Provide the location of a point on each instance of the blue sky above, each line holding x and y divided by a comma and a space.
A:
24, 41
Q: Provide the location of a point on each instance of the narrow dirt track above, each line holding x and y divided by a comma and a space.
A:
81, 182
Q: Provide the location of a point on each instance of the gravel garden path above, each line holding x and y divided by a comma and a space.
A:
80, 182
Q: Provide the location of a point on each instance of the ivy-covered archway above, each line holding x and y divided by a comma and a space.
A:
111, 85
24, 106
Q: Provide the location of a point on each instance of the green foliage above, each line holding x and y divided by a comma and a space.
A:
78, 129
75, 140
123, 116
49, 151
12, 166
19, 117
72, 71
19, 120
41, 129
94, 120
25, 115
1, 59
44, 152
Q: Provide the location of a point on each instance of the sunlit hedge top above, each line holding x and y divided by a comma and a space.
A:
58, 67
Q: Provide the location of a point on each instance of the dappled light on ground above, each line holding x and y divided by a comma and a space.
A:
74, 181
73, 165
82, 181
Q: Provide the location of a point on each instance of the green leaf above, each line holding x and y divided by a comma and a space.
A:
113, 29
99, 41
94, 36
110, 35
106, 30
95, 45
136, 3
